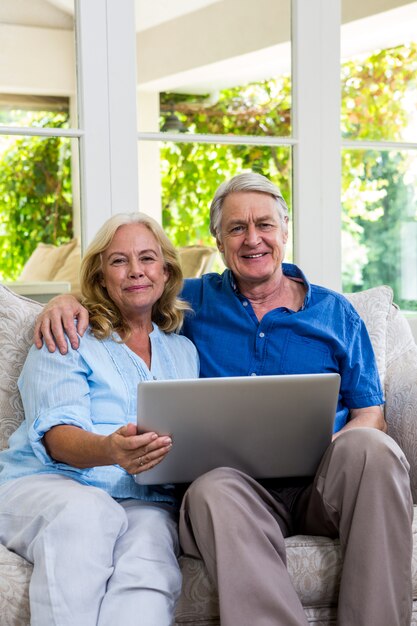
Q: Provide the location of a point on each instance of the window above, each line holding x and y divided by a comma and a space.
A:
137, 66
379, 158
39, 200
218, 104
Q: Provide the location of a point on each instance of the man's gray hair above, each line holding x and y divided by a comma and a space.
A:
249, 181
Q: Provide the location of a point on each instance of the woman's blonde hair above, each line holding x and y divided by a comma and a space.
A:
105, 317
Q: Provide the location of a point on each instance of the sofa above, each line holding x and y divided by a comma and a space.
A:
314, 563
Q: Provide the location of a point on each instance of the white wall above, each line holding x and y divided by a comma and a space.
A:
38, 61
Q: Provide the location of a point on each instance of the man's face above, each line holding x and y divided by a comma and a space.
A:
253, 237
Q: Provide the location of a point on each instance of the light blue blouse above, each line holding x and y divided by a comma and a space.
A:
94, 388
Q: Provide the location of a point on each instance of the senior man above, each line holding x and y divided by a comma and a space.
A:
262, 316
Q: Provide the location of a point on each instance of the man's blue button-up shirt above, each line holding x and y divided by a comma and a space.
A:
325, 335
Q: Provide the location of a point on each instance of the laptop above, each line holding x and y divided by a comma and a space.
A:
266, 426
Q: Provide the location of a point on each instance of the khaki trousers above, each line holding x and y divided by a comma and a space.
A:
361, 493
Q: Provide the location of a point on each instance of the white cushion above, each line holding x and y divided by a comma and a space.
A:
373, 305
17, 317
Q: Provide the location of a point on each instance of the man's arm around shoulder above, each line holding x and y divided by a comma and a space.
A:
56, 320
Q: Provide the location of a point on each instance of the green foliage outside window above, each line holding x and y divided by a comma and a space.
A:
192, 172
379, 102
35, 193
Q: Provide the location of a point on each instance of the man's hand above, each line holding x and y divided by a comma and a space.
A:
56, 319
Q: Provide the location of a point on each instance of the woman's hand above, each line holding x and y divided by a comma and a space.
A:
125, 447
56, 319
135, 452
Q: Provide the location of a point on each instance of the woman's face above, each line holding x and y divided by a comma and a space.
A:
134, 271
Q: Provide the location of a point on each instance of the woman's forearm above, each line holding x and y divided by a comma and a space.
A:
77, 447
125, 447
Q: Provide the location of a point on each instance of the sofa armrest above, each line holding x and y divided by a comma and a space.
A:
401, 407
39, 290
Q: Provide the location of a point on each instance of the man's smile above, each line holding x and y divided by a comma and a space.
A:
258, 255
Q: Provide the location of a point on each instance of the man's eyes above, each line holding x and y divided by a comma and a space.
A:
264, 226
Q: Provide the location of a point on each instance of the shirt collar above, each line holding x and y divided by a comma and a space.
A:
288, 269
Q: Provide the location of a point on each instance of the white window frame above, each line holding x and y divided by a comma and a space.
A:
106, 57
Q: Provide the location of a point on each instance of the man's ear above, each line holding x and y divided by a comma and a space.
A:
219, 245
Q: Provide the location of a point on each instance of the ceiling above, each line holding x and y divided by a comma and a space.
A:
381, 30
59, 13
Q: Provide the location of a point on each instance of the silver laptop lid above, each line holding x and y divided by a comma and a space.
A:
266, 426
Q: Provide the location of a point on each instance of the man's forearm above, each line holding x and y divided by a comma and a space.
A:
367, 417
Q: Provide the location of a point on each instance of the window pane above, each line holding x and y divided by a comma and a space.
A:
36, 198
379, 237
222, 67
379, 75
37, 60
189, 175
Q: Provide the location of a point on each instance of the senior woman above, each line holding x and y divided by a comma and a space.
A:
104, 548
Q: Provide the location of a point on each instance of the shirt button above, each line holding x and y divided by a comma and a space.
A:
245, 303
262, 335
253, 374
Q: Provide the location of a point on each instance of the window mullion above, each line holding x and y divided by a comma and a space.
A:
316, 117
107, 110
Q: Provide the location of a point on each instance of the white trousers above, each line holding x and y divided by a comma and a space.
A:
97, 561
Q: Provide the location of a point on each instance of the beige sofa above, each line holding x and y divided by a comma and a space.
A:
314, 562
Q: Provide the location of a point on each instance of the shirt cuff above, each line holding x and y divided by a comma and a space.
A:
42, 424
361, 402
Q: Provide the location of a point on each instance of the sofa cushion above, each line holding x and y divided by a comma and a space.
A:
15, 574
374, 305
45, 261
70, 270
314, 564
196, 260
17, 316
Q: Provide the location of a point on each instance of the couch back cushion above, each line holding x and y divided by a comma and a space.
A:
196, 260
46, 260
70, 270
17, 317
374, 305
